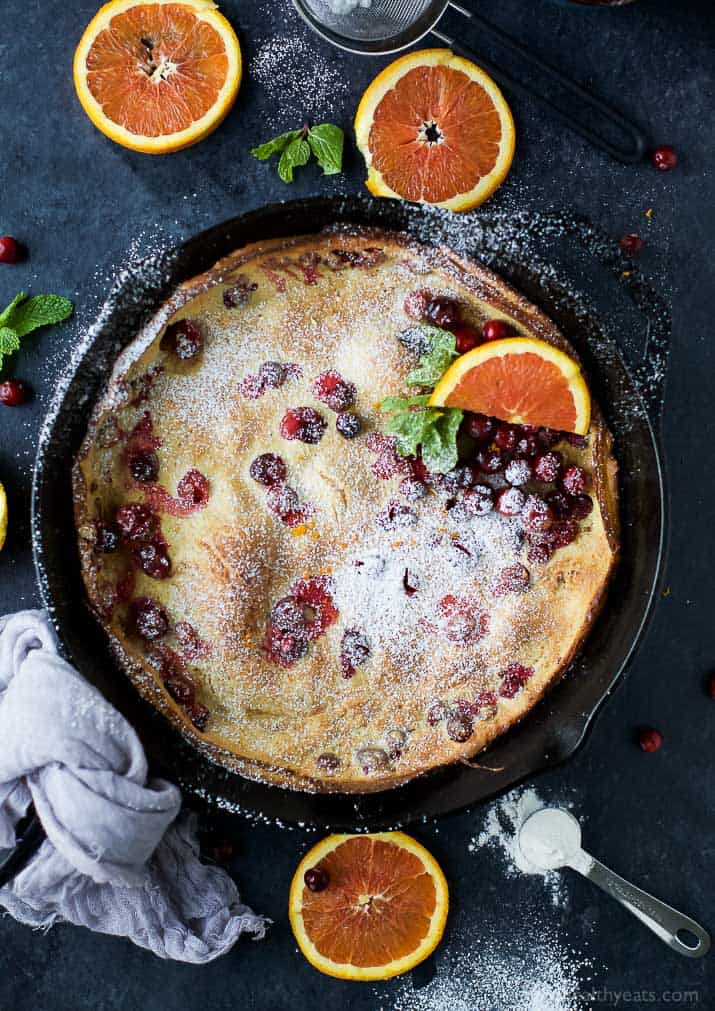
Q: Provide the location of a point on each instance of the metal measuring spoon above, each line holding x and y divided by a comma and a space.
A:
551, 838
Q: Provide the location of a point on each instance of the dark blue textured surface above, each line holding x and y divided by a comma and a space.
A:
79, 202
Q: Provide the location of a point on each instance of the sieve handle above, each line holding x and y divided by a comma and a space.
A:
635, 140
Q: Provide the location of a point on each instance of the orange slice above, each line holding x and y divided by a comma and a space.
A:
434, 128
382, 912
522, 380
157, 76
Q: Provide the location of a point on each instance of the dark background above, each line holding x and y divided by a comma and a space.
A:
83, 205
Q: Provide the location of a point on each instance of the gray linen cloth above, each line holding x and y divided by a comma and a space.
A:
119, 857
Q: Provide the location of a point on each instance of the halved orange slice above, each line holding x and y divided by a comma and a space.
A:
522, 380
433, 127
157, 76
380, 910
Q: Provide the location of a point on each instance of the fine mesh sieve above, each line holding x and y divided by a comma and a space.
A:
388, 26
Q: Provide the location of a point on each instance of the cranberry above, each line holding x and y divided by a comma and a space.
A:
144, 466
490, 461
268, 469
443, 312
183, 339
527, 443
436, 713
238, 294
562, 533
152, 559
328, 762
536, 514
10, 250
288, 615
485, 700
348, 425
148, 619
13, 392
283, 500
560, 504
478, 501
579, 441
505, 437
193, 489
547, 467
318, 605
649, 739
548, 437
415, 305
106, 538
285, 648
354, 651
330, 388
463, 622
518, 471
304, 424
190, 641
136, 522
513, 579
467, 475
272, 375
538, 553
496, 330
180, 689
632, 245
665, 158
412, 489
575, 480
466, 338
198, 714
510, 501
479, 427
316, 879
581, 507
459, 727
513, 679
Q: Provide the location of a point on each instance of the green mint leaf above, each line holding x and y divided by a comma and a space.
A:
36, 311
297, 153
433, 365
9, 342
276, 144
403, 403
439, 445
326, 142
411, 429
8, 310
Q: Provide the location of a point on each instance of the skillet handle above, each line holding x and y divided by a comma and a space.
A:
30, 836
588, 112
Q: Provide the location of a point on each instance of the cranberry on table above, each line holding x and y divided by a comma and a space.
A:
348, 425
10, 250
268, 469
183, 339
632, 245
496, 330
334, 391
316, 879
13, 392
649, 739
304, 424
443, 312
665, 158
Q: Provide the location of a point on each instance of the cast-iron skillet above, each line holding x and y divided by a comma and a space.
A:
631, 402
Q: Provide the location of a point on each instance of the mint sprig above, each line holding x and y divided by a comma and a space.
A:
416, 425
23, 315
325, 142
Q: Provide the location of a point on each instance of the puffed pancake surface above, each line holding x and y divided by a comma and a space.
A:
312, 621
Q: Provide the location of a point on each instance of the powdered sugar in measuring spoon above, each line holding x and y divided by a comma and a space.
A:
551, 838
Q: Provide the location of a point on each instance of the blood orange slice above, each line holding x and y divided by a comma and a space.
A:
435, 128
522, 380
157, 76
381, 911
